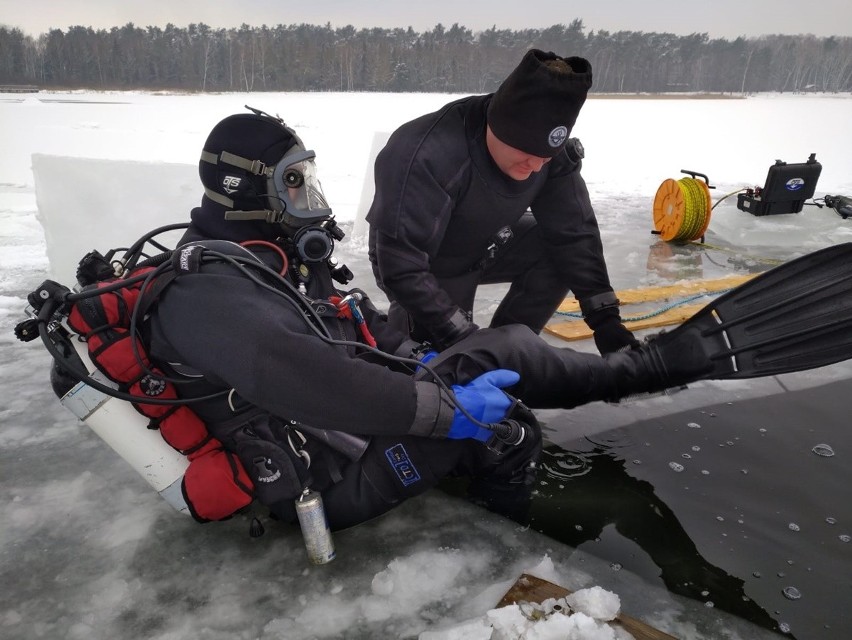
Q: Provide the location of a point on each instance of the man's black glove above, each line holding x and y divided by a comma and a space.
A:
610, 333
459, 326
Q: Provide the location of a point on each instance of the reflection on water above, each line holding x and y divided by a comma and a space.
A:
604, 494
564, 465
743, 506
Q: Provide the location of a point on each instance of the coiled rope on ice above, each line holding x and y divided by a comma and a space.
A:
682, 209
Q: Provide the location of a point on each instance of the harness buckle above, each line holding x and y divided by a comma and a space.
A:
258, 168
274, 217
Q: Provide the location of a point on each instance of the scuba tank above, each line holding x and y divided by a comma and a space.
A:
123, 428
100, 372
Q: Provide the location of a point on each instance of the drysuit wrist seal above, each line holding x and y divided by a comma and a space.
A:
458, 326
599, 302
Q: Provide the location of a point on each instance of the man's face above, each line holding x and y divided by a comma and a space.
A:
515, 163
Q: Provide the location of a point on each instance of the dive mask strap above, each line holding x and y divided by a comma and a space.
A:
218, 198
268, 215
255, 167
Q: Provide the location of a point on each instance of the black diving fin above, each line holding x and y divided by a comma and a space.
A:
794, 317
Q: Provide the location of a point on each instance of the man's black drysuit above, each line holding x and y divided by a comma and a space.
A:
440, 202
237, 334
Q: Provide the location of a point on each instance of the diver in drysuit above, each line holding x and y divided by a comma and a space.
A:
309, 386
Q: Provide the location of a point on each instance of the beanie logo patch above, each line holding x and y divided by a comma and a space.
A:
231, 184
557, 137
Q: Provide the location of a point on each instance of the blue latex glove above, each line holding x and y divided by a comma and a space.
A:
426, 357
429, 355
485, 400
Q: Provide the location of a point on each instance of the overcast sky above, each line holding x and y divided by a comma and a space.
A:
718, 18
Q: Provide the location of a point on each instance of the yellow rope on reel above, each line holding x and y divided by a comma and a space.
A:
682, 209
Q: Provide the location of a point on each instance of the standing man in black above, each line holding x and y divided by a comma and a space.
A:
488, 189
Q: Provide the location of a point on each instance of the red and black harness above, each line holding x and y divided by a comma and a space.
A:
215, 484
232, 461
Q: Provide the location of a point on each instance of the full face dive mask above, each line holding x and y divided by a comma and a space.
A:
306, 218
240, 149
295, 184
293, 191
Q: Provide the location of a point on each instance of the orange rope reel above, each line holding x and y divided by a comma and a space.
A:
682, 208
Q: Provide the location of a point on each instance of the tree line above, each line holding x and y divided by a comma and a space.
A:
307, 57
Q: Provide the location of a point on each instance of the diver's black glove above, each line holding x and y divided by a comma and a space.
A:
459, 326
663, 361
609, 332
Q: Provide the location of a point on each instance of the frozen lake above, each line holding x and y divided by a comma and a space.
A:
89, 551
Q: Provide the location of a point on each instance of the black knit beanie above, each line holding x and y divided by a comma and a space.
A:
536, 107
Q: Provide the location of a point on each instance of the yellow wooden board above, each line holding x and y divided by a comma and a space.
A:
529, 588
579, 330
667, 292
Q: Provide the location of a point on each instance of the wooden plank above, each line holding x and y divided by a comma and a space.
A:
667, 292
529, 588
579, 330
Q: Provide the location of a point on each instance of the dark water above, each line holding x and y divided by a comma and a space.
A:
744, 506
